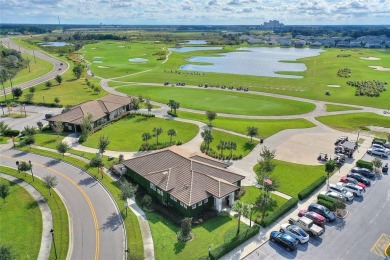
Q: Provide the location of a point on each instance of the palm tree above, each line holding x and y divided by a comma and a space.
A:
176, 105
171, 132
265, 202
221, 146
241, 209
170, 104
157, 131
232, 146
207, 137
146, 137
252, 131
330, 166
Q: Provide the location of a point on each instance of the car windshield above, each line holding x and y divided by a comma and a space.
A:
300, 232
326, 211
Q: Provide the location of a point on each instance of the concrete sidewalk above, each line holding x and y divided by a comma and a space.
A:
47, 219
252, 244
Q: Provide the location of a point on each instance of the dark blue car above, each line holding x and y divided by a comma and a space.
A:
284, 240
323, 211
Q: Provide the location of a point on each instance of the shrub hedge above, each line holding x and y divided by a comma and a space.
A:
312, 187
365, 164
236, 241
324, 197
11, 132
173, 114
327, 204
265, 222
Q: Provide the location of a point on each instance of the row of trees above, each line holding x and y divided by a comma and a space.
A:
157, 131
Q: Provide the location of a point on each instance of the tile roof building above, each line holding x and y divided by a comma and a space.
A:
188, 182
102, 110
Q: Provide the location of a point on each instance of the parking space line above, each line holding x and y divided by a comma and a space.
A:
380, 245
284, 250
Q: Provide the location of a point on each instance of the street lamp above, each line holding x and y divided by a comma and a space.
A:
250, 217
54, 242
17, 165
210, 251
31, 169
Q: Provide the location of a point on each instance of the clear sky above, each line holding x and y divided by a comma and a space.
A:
201, 12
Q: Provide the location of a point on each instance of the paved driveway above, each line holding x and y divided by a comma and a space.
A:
362, 235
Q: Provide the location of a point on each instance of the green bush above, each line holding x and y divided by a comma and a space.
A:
11, 132
327, 204
236, 241
324, 197
365, 164
279, 212
312, 187
173, 114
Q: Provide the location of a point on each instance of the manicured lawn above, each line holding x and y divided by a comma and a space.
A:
221, 101
244, 146
19, 242
251, 195
133, 231
20, 208
3, 139
294, 178
211, 233
239, 125
355, 121
334, 108
48, 139
126, 134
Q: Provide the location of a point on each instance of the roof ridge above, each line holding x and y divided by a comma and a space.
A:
192, 180
150, 173
213, 166
219, 189
169, 174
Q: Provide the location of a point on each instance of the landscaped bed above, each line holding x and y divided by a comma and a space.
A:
294, 178
267, 127
126, 134
221, 101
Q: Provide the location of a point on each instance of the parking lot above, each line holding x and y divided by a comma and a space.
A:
363, 234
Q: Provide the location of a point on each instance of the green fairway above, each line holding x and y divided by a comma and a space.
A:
244, 146
355, 121
20, 208
38, 68
126, 134
111, 58
251, 195
294, 177
221, 101
166, 245
334, 108
266, 127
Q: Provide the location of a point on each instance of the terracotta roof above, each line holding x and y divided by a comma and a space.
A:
182, 176
97, 108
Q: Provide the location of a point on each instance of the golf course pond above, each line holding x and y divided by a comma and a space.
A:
255, 61
54, 44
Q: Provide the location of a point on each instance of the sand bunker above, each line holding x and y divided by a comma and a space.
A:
103, 67
380, 68
98, 57
333, 86
97, 61
370, 58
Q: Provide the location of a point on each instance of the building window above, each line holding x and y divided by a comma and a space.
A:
194, 206
185, 206
200, 203
152, 186
181, 204
173, 198
206, 200
160, 192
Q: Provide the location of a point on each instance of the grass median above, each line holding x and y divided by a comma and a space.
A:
60, 222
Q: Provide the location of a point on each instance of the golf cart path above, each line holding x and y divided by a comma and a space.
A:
47, 218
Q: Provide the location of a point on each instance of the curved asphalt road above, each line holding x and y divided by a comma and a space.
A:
96, 225
54, 72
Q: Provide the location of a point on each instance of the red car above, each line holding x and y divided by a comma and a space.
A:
347, 179
317, 218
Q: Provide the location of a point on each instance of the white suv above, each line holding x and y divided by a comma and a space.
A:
342, 191
355, 189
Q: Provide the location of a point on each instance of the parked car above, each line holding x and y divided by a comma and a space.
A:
296, 232
355, 189
359, 178
379, 152
284, 240
363, 171
346, 179
315, 217
342, 191
323, 211
333, 195
377, 146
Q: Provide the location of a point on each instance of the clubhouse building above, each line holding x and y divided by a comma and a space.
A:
103, 110
189, 183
